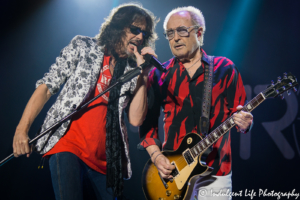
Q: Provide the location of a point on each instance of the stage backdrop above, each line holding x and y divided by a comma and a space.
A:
260, 37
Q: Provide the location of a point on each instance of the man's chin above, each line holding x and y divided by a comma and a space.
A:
130, 54
180, 56
132, 57
125, 55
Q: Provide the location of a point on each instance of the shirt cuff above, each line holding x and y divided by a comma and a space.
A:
250, 127
148, 142
52, 90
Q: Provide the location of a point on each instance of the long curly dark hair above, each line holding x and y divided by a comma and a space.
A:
112, 31
111, 36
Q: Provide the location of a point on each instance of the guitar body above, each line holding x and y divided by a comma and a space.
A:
156, 188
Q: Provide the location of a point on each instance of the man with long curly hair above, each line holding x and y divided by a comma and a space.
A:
92, 147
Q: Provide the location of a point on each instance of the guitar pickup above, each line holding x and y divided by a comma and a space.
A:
188, 156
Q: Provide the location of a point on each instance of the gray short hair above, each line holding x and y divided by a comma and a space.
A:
196, 15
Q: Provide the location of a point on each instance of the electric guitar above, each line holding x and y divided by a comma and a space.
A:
187, 158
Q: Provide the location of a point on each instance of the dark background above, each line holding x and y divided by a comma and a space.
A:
260, 36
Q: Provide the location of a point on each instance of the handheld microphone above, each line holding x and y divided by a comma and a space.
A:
152, 60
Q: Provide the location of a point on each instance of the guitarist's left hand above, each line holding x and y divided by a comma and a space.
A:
242, 119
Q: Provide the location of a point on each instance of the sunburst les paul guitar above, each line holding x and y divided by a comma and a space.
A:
187, 158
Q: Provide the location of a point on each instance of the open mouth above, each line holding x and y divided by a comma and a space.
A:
134, 43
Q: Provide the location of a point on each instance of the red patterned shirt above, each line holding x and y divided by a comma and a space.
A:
180, 97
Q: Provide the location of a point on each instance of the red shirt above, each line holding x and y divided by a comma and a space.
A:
86, 134
180, 97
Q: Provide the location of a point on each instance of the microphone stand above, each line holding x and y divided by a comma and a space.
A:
123, 79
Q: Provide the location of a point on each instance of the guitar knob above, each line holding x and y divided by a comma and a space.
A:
176, 196
168, 193
281, 96
160, 198
288, 92
295, 90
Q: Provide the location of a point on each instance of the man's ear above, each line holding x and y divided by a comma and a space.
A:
199, 32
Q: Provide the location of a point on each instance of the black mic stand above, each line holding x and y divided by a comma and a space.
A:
123, 79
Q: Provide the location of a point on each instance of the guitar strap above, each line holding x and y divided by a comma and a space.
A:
206, 101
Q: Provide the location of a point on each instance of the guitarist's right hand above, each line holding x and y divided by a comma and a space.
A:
161, 162
164, 166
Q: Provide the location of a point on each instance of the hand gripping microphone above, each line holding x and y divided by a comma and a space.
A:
149, 60
152, 60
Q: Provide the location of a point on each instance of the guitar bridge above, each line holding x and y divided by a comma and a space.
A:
174, 173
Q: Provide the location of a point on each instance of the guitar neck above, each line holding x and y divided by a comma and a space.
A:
216, 134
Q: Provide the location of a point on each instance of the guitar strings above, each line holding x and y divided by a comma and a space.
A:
181, 162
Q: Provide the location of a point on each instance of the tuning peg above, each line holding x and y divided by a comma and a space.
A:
272, 82
277, 92
279, 79
288, 92
295, 90
285, 75
281, 96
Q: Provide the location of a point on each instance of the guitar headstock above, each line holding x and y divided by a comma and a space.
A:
283, 84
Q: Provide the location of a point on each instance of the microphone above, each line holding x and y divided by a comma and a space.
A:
152, 60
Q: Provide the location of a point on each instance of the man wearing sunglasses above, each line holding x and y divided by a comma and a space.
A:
181, 94
92, 147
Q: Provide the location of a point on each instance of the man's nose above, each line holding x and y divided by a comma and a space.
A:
176, 36
140, 36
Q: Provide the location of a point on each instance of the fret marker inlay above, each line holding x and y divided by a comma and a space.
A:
215, 134
231, 121
207, 141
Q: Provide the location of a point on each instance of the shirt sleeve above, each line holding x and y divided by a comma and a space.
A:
236, 94
63, 67
148, 131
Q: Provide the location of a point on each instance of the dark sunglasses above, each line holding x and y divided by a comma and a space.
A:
136, 30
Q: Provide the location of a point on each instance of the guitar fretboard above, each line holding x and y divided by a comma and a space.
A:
216, 134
